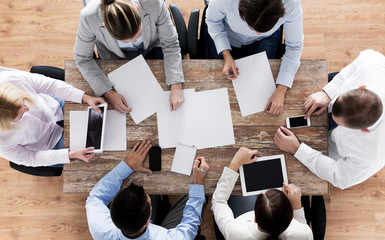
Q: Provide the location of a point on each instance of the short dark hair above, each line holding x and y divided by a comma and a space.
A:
130, 209
359, 108
273, 212
261, 15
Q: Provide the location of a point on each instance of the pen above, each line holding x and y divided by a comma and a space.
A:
226, 76
203, 171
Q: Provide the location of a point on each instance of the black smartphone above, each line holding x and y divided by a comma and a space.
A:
155, 154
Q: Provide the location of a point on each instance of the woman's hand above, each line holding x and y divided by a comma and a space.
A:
82, 154
93, 101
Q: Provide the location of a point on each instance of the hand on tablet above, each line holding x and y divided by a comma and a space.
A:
316, 103
200, 170
243, 156
82, 154
176, 96
293, 193
93, 101
136, 157
117, 101
285, 140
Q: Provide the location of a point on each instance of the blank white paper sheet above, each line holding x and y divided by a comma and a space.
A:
183, 159
172, 126
254, 84
203, 120
115, 132
138, 85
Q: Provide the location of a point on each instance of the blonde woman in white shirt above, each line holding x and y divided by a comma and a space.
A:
277, 214
29, 113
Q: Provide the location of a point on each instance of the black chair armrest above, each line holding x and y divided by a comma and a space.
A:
37, 171
49, 71
180, 26
192, 34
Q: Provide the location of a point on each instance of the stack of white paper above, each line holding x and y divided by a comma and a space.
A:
203, 120
183, 159
138, 85
115, 131
254, 84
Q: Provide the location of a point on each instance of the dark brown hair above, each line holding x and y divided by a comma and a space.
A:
130, 209
121, 18
359, 108
273, 212
261, 15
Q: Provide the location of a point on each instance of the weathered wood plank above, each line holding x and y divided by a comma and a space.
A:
205, 75
174, 183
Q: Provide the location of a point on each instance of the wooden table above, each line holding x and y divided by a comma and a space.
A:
255, 131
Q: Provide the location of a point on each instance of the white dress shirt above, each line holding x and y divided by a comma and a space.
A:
227, 29
244, 227
37, 133
354, 155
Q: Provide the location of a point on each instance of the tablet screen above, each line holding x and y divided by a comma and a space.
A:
94, 129
263, 175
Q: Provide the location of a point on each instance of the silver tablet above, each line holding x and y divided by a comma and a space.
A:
265, 173
95, 128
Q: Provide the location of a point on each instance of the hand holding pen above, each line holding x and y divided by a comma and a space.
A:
200, 170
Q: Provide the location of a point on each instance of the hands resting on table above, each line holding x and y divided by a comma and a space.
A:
118, 102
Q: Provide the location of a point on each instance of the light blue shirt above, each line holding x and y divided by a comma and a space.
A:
102, 227
227, 29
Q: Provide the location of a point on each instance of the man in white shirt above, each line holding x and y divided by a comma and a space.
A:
284, 217
356, 146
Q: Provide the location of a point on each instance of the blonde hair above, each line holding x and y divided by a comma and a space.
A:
11, 100
121, 18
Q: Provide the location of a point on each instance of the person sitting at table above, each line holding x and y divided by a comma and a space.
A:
131, 209
246, 27
277, 214
124, 29
355, 98
31, 111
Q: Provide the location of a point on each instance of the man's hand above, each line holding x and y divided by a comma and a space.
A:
243, 156
316, 103
117, 101
82, 154
176, 96
285, 140
275, 104
93, 101
229, 66
200, 170
136, 157
293, 193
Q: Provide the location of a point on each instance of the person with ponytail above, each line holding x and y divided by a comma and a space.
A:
240, 28
124, 29
31, 119
277, 214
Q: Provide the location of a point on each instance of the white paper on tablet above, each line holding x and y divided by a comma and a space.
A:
254, 84
172, 126
138, 85
115, 132
183, 159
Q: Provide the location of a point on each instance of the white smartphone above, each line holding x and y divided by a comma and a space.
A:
96, 123
297, 121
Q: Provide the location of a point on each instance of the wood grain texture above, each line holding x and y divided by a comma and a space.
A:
256, 131
42, 32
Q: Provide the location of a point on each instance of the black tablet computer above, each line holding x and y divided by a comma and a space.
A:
265, 173
96, 123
